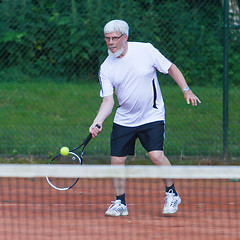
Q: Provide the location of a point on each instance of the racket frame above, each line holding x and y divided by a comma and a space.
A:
80, 158
66, 188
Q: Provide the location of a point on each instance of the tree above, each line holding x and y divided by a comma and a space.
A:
234, 13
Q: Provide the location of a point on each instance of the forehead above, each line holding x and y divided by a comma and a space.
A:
112, 34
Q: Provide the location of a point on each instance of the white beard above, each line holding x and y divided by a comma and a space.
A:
117, 53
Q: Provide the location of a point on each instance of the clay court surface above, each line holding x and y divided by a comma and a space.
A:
31, 210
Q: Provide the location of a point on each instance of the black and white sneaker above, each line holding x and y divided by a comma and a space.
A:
117, 209
171, 202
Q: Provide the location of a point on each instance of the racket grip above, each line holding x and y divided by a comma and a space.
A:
89, 137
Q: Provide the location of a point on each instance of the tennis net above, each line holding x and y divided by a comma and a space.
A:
31, 209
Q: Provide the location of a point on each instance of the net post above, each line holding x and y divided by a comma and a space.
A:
225, 83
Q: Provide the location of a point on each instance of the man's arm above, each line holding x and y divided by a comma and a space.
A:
180, 80
103, 112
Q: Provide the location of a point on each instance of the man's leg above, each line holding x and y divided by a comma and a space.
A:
158, 158
118, 207
172, 200
119, 183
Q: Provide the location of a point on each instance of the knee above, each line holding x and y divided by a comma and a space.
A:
118, 160
159, 158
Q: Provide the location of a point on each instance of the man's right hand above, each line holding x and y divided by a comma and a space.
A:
95, 129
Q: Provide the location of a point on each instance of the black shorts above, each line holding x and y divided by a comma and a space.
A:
123, 139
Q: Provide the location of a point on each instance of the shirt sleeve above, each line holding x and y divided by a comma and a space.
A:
160, 62
106, 85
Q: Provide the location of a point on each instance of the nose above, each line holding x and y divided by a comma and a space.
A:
110, 41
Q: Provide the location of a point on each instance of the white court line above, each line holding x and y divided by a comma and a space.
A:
93, 204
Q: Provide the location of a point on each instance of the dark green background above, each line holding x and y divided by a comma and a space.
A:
50, 54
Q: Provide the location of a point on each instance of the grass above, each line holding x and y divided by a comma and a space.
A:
37, 119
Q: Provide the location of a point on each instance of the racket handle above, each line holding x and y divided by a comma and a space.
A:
89, 137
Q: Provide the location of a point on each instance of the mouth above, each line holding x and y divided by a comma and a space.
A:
112, 49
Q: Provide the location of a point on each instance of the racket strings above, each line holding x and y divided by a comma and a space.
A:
64, 183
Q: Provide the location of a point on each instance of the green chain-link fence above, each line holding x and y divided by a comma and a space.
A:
51, 51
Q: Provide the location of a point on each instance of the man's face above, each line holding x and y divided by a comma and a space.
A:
116, 42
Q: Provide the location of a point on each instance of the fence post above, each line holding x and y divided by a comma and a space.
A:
225, 83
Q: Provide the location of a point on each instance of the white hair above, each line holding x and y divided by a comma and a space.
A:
116, 26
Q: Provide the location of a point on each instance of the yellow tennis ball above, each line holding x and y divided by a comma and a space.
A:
64, 151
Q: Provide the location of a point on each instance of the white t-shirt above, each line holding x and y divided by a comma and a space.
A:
134, 81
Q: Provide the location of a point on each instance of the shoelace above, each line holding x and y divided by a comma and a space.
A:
113, 203
169, 196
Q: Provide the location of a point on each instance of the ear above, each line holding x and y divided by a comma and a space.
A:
125, 37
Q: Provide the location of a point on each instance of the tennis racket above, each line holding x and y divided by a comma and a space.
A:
63, 184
